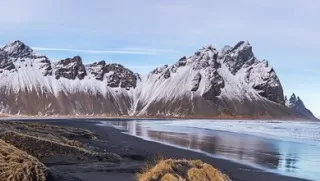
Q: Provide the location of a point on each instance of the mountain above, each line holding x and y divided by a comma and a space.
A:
31, 84
211, 83
297, 106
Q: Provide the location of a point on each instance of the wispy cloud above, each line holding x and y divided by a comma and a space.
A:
132, 51
148, 49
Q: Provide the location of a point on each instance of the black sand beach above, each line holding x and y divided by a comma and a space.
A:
135, 153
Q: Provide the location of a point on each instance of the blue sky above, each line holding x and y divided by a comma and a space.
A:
143, 34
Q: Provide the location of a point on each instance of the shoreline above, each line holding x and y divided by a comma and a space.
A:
147, 151
93, 117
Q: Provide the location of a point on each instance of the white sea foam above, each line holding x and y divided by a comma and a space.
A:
306, 132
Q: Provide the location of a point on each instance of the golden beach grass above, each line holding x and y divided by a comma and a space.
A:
181, 170
17, 165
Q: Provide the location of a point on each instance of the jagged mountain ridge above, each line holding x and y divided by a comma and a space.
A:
297, 106
31, 84
232, 82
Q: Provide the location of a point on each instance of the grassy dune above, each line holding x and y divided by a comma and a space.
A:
181, 170
42, 140
17, 165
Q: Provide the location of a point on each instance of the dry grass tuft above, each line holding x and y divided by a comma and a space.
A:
50, 132
182, 170
41, 147
17, 165
42, 140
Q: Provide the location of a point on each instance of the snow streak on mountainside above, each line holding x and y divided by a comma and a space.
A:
209, 83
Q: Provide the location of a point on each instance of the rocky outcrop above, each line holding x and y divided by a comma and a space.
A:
239, 56
5, 63
115, 74
297, 106
195, 82
97, 69
263, 78
16, 55
209, 83
70, 68
118, 76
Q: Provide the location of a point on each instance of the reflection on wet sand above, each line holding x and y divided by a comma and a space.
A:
227, 145
289, 158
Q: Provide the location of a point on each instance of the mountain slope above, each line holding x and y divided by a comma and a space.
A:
297, 106
31, 84
232, 82
212, 83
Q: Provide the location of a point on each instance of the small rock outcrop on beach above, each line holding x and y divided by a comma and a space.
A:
210, 83
297, 106
177, 170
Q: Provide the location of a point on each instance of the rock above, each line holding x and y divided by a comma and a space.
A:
213, 85
298, 107
44, 65
5, 63
166, 74
182, 61
159, 70
263, 78
238, 56
118, 76
225, 50
97, 69
195, 82
70, 68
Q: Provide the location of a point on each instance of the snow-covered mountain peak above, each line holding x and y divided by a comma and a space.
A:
202, 60
242, 45
226, 49
238, 56
17, 49
293, 101
234, 58
207, 48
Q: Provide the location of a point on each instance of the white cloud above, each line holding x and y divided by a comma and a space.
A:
122, 51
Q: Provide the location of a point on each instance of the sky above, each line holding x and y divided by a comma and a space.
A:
144, 34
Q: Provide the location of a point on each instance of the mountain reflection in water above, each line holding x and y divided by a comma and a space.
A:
280, 156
